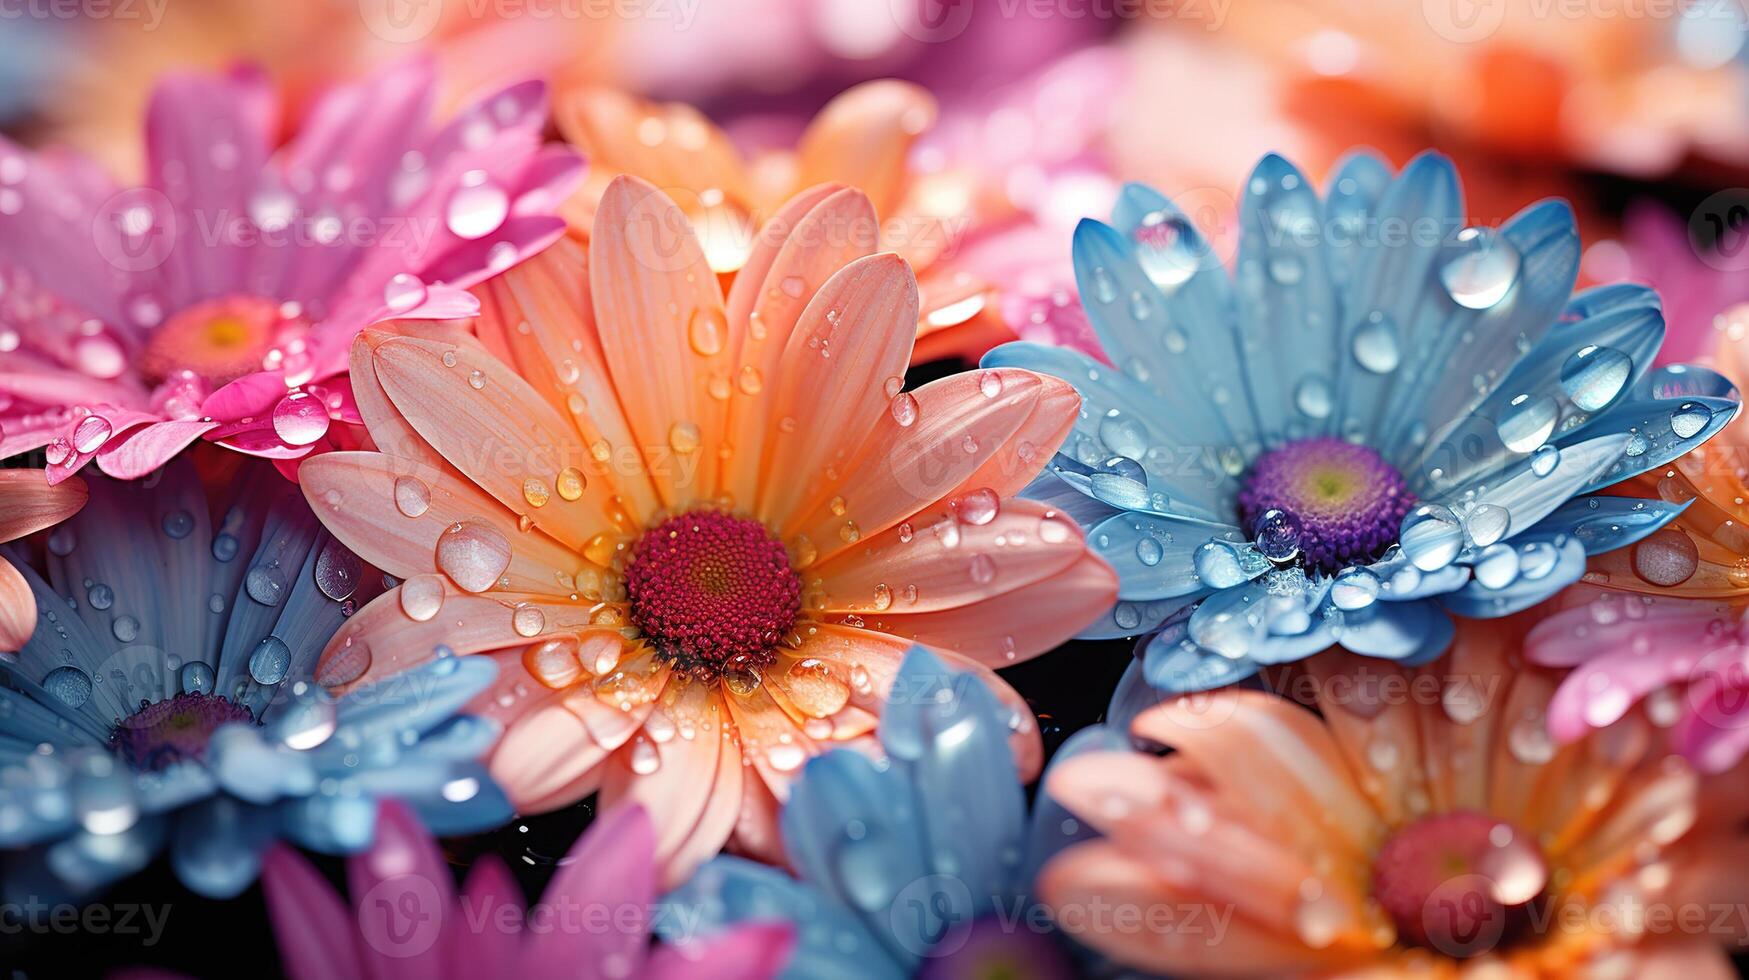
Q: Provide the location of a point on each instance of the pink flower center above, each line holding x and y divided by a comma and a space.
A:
160, 735
220, 339
713, 593
1460, 883
1340, 503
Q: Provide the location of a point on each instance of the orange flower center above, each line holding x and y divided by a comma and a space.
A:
1459, 883
219, 339
712, 593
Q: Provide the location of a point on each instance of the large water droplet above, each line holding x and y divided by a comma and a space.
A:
1431, 537
1527, 422
1496, 567
196, 677
91, 433
1313, 397
706, 330
1354, 588
1483, 269
265, 585
1593, 376
1375, 344
1668, 557
1164, 249
422, 596
477, 207
70, 685
1689, 419
412, 496
300, 418
473, 555
1486, 524
1123, 435
1277, 535
403, 292
338, 571
270, 661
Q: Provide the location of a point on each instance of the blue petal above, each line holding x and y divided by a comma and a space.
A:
1154, 557
1120, 417
415, 700
948, 734
1401, 581
1085, 510
218, 846
831, 942
1558, 568
1053, 827
1397, 630
1173, 664
1360, 181
1699, 403
1250, 622
1135, 618
1288, 315
1528, 495
1606, 523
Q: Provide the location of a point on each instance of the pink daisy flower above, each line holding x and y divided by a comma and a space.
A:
219, 299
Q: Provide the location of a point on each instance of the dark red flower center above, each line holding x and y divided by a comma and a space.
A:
1326, 501
712, 592
1460, 883
174, 730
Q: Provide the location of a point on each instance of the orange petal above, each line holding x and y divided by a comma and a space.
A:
722, 814
17, 608
674, 777
498, 431
863, 138
815, 234
667, 341
464, 622
757, 834
28, 504
930, 444
770, 739
1011, 626
945, 561
544, 750
541, 318
371, 502
853, 341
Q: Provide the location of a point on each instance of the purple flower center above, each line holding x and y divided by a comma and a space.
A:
712, 592
1339, 503
160, 735
1461, 883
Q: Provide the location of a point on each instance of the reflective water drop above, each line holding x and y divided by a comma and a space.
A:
1483, 269
1165, 250
528, 620
477, 207
422, 596
1354, 588
683, 437
412, 496
1537, 559
265, 585
570, 483
100, 596
1496, 567
1375, 344
338, 571
1123, 435
300, 418
91, 433
1593, 376
473, 555
1148, 551
1431, 537
1668, 557
706, 330
1527, 422
535, 492
979, 507
1313, 397
403, 292
1486, 524
270, 661
1544, 460
1277, 534
196, 677
70, 685
1689, 419
1218, 566
178, 524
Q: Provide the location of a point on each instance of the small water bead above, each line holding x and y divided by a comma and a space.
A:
978, 507
1314, 397
69, 685
91, 433
265, 585
1148, 551
706, 329
473, 555
528, 620
178, 524
1593, 376
338, 571
1483, 269
1354, 588
1431, 537
477, 207
535, 492
100, 596
1277, 534
1123, 435
125, 628
1666, 558
476, 379
570, 483
422, 596
1125, 467
270, 661
983, 569
683, 437
1165, 249
1496, 567
449, 358
62, 541
1218, 565
1544, 460
1375, 344
196, 677
1537, 559
749, 380
412, 496
1527, 422
1690, 419
1485, 524
403, 292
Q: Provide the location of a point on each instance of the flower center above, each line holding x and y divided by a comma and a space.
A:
713, 593
1325, 501
1461, 883
220, 339
160, 735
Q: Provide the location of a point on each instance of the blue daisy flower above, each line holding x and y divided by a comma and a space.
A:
916, 864
1382, 419
165, 700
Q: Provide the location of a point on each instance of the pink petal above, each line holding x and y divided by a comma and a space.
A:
751, 952
611, 866
315, 931
403, 898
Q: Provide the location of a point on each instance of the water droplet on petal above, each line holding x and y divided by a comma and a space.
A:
265, 585
477, 207
1689, 419
91, 433
412, 496
1527, 422
403, 292
422, 596
473, 555
270, 661
70, 685
1375, 344
1486, 524
1354, 588
1431, 537
1593, 376
1668, 557
300, 418
1483, 269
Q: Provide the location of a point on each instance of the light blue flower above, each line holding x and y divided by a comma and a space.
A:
1385, 417
164, 701
916, 863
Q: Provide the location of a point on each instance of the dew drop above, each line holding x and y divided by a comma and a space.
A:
473, 555
1431, 537
1527, 422
1483, 270
422, 596
70, 685
1593, 376
412, 496
570, 483
270, 661
1375, 344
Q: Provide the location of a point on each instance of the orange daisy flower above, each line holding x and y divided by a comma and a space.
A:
863, 138
1424, 825
27, 505
698, 534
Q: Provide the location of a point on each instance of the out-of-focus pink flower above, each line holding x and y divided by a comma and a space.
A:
1685, 660
219, 299
405, 922
1697, 285
27, 505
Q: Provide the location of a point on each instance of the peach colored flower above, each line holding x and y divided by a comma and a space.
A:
27, 505
702, 533
864, 138
1426, 825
